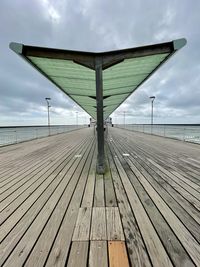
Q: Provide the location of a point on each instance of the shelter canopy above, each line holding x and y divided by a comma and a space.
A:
123, 71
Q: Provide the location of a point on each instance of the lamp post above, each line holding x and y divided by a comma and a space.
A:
48, 106
152, 100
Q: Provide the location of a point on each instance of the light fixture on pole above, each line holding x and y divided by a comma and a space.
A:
152, 100
48, 106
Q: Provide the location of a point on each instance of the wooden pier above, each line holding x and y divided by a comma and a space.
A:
56, 211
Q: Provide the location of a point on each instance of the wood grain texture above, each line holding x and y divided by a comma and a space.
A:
99, 199
137, 253
63, 195
98, 227
113, 223
88, 196
117, 254
82, 228
110, 197
50, 198
173, 246
98, 255
78, 254
155, 248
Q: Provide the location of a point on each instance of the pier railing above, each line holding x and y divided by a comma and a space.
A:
189, 133
13, 135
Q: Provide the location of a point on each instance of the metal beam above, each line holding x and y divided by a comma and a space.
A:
100, 119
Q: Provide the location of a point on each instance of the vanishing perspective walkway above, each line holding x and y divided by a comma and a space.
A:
55, 210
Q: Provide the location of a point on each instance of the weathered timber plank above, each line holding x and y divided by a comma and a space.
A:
89, 189
78, 254
113, 223
99, 200
58, 219
110, 198
82, 228
98, 227
17, 232
187, 240
39, 179
50, 175
136, 249
160, 182
173, 246
41, 249
35, 160
98, 255
154, 246
174, 179
58, 256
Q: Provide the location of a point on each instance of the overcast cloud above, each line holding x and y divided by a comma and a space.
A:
99, 25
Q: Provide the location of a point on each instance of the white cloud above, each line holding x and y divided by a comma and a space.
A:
50, 11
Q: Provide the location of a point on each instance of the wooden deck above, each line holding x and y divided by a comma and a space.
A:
56, 211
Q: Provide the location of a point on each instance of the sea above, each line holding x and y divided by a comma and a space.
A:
184, 132
16, 134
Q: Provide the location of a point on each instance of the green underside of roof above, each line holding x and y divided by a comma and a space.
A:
119, 81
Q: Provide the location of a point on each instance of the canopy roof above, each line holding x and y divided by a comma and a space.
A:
74, 71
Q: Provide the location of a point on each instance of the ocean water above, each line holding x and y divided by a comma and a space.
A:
188, 133
13, 135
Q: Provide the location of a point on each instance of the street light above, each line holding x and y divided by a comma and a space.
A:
48, 106
152, 100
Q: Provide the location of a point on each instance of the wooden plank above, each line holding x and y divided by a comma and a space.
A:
18, 179
31, 160
191, 246
99, 200
62, 213
161, 182
98, 227
117, 254
136, 249
98, 255
110, 197
188, 241
82, 228
155, 248
30, 185
173, 246
191, 218
30, 153
17, 232
58, 255
60, 168
166, 184
174, 179
89, 189
113, 223
78, 254
50, 230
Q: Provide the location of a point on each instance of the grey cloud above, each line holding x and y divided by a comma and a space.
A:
98, 26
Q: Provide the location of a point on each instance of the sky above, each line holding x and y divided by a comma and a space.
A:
99, 25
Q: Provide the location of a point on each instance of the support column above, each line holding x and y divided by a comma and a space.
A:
100, 119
